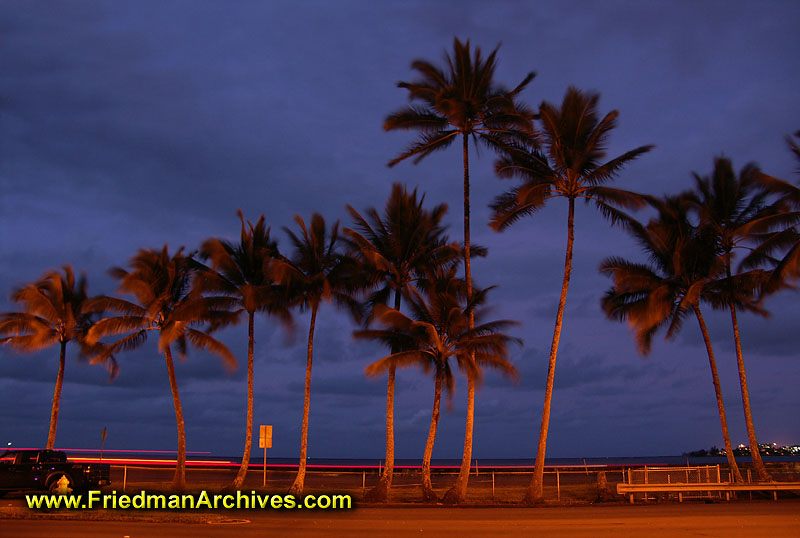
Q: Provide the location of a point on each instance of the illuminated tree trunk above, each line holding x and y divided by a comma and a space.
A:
179, 482
248, 438
535, 493
51, 436
299, 481
428, 495
735, 474
380, 493
458, 492
761, 471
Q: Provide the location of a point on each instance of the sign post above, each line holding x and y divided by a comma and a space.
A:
265, 442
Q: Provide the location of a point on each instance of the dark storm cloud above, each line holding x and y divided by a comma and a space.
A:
125, 126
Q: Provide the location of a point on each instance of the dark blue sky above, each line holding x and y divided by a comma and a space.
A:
129, 125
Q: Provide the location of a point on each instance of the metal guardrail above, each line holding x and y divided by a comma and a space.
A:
660, 480
726, 487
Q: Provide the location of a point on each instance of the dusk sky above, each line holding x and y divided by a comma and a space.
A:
126, 125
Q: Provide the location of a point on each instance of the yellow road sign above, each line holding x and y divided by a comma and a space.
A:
265, 436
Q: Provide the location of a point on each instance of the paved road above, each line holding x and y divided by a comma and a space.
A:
750, 519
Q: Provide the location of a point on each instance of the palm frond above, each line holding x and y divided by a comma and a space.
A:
609, 170
29, 343
36, 302
113, 304
203, 341
16, 323
401, 359
117, 325
418, 118
428, 143
616, 217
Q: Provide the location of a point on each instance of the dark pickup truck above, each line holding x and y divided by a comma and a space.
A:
48, 470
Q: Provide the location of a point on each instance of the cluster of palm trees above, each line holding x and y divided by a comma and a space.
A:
692, 245
399, 275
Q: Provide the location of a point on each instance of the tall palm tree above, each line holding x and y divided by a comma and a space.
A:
161, 285
52, 313
317, 271
437, 331
729, 205
683, 272
244, 272
570, 167
461, 99
396, 248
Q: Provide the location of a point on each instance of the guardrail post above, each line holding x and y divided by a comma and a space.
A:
646, 482
558, 484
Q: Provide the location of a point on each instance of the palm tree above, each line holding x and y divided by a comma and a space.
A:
395, 249
575, 139
244, 272
317, 271
684, 271
728, 205
777, 233
461, 99
161, 285
52, 313
439, 330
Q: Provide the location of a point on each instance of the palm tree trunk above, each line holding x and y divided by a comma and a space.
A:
535, 493
248, 437
51, 436
458, 492
761, 471
735, 474
428, 495
299, 481
467, 266
179, 482
380, 493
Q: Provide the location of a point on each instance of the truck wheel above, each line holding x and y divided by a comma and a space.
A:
60, 484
